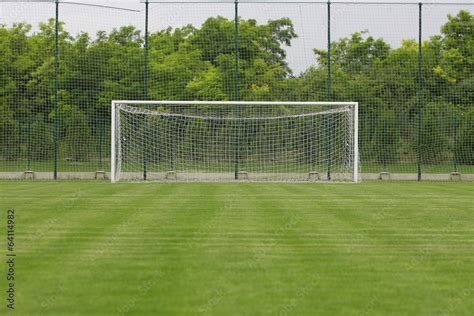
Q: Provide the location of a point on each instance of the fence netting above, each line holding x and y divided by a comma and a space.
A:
416, 105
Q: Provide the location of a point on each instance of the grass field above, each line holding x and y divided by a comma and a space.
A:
88, 248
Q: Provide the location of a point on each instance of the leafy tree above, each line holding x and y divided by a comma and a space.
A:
464, 142
458, 48
9, 135
437, 132
42, 141
198, 62
207, 85
355, 54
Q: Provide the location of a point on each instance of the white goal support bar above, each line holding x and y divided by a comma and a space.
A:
115, 104
230, 103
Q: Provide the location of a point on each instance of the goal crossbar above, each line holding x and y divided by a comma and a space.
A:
164, 114
137, 102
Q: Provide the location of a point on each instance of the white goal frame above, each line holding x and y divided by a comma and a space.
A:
115, 103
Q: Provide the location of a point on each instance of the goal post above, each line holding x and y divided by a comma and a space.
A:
234, 141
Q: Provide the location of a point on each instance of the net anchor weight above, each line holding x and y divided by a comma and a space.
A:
100, 175
171, 175
242, 175
29, 175
455, 176
314, 176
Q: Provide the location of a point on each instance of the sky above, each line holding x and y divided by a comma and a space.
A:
393, 22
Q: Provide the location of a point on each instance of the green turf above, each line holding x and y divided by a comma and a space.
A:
88, 248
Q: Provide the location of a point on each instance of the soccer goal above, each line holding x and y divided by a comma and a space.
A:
234, 141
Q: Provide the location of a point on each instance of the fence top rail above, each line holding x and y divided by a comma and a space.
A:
246, 2
304, 1
131, 102
97, 5
250, 2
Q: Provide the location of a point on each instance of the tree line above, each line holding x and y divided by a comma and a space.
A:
198, 63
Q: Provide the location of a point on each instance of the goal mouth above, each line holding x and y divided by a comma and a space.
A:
234, 140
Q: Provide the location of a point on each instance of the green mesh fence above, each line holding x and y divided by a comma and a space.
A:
101, 59
26, 87
416, 105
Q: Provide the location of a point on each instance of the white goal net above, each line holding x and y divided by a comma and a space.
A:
234, 141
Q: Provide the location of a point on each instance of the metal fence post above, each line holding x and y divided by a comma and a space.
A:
56, 73
236, 84
329, 52
145, 93
330, 127
420, 90
145, 79
236, 50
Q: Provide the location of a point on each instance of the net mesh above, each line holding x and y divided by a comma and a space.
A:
105, 62
26, 76
224, 142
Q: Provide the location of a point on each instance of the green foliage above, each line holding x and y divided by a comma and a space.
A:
9, 134
457, 61
386, 138
198, 63
74, 125
355, 54
464, 143
207, 85
439, 122
41, 138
